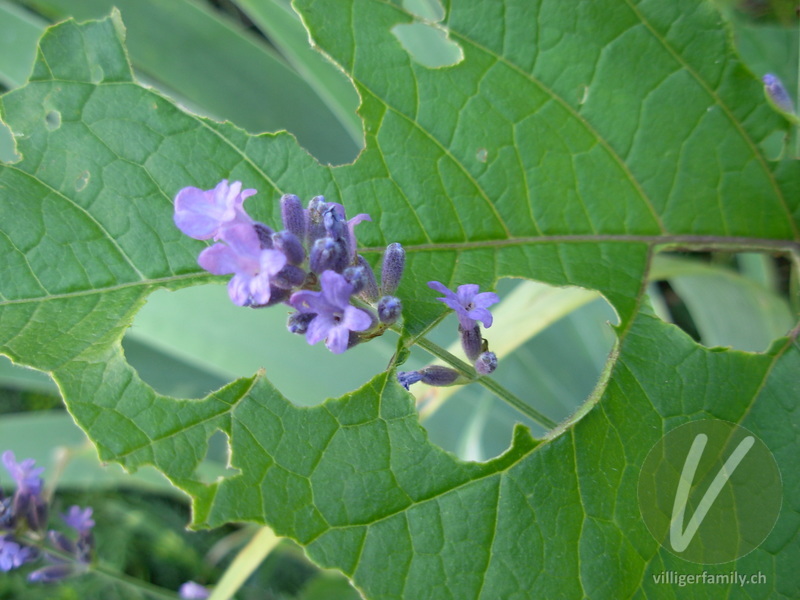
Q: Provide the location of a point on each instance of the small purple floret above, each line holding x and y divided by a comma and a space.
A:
193, 591
204, 214
469, 305
24, 474
336, 318
79, 519
251, 265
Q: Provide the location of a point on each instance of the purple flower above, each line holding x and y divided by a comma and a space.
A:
193, 591
336, 318
12, 554
470, 306
203, 214
251, 265
24, 473
79, 519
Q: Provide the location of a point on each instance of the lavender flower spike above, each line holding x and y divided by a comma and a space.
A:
470, 306
203, 214
252, 267
336, 318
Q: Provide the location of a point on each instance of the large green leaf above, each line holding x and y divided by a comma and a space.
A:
572, 143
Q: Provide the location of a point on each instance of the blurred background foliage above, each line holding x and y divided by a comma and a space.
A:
249, 61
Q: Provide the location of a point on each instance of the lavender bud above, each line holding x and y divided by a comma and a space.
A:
32, 508
298, 322
288, 277
335, 224
442, 376
294, 217
328, 254
407, 378
389, 309
357, 277
370, 291
290, 245
6, 514
53, 573
777, 93
471, 341
62, 542
486, 363
264, 235
315, 228
394, 261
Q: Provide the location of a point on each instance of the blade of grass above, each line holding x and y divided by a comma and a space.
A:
286, 31
19, 32
220, 68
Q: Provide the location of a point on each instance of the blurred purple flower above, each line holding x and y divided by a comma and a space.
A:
777, 92
251, 265
203, 214
470, 306
24, 474
193, 591
12, 554
336, 318
79, 519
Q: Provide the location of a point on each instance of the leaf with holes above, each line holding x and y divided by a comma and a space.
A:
571, 143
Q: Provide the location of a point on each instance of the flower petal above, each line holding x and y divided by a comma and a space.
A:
337, 340
239, 290
356, 319
485, 299
318, 329
219, 259
440, 287
467, 292
481, 314
336, 289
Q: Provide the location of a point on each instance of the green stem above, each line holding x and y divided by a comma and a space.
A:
487, 382
147, 588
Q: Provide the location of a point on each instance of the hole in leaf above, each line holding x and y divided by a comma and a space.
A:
192, 341
97, 74
216, 463
82, 181
739, 301
428, 44
53, 120
777, 145
552, 344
